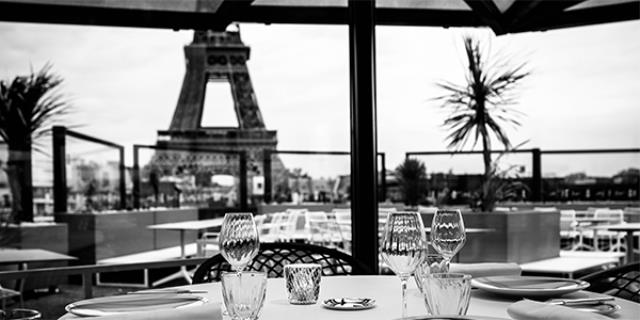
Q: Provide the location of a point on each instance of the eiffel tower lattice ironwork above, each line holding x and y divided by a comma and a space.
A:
216, 56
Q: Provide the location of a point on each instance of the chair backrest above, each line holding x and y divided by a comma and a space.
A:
567, 220
272, 257
622, 282
616, 216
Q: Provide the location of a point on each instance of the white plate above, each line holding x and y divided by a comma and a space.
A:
523, 286
451, 318
349, 303
132, 303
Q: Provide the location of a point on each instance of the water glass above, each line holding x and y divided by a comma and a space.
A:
243, 294
446, 293
431, 263
303, 282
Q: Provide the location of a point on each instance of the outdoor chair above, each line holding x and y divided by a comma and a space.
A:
613, 239
272, 257
622, 282
568, 229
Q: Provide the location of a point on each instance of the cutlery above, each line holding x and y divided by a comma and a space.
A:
573, 302
167, 291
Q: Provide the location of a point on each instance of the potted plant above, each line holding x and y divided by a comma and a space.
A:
29, 105
480, 107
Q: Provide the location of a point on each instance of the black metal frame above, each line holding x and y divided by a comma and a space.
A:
268, 179
536, 161
242, 155
60, 134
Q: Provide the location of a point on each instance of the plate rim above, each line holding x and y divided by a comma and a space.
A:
579, 285
71, 307
372, 303
577, 282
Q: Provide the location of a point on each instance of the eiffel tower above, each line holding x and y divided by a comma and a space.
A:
216, 56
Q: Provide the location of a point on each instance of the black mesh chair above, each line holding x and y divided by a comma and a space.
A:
272, 258
622, 282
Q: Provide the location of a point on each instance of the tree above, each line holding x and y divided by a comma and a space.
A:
481, 106
28, 106
412, 178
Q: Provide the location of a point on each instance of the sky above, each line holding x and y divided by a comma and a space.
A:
124, 83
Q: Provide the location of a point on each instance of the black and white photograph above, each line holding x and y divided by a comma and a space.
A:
320, 159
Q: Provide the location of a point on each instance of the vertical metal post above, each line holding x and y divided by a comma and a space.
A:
383, 177
136, 177
536, 173
364, 184
59, 170
266, 166
122, 185
243, 180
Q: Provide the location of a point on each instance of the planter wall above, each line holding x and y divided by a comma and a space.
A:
94, 237
520, 237
326, 207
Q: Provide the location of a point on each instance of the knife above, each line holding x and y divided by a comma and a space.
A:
573, 302
167, 291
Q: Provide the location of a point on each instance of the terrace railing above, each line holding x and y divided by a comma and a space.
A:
536, 183
60, 189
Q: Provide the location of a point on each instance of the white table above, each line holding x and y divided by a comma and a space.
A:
182, 227
385, 290
567, 265
629, 229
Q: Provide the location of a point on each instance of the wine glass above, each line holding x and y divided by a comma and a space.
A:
403, 247
239, 242
447, 233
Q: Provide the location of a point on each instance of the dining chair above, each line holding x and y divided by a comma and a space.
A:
569, 229
622, 281
272, 257
613, 239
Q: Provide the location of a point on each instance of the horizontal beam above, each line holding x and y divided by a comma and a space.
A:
77, 270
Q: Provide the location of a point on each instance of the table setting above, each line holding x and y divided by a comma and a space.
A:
429, 286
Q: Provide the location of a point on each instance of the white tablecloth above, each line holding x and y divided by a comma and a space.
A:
385, 290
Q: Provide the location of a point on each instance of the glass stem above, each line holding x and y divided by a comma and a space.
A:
403, 282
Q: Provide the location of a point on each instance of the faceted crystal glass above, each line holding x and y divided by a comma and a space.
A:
239, 242
403, 246
431, 263
447, 232
243, 294
303, 282
446, 293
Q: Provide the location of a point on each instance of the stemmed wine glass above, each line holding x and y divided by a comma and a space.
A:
403, 247
239, 242
447, 233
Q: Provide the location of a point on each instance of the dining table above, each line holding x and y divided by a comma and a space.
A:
22, 258
385, 290
629, 229
183, 227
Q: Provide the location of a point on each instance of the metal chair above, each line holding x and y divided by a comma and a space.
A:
622, 282
272, 258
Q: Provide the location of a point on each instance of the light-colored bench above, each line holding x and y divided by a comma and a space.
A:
146, 256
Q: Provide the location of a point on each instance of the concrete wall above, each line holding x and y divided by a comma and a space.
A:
93, 237
520, 237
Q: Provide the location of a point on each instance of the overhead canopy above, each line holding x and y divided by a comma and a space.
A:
503, 16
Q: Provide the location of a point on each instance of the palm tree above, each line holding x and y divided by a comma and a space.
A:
480, 107
28, 106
